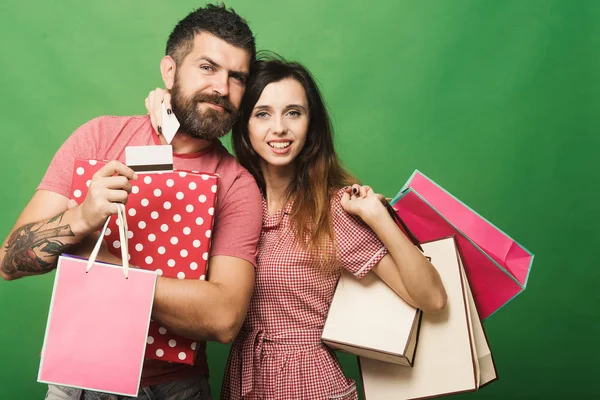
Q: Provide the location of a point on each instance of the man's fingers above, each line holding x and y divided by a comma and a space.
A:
117, 196
115, 182
115, 167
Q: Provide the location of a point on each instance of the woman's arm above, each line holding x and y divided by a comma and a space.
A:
404, 269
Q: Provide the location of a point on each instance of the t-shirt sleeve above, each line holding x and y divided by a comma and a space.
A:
81, 144
239, 221
358, 247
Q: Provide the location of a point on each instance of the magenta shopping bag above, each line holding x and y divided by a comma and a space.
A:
98, 323
496, 265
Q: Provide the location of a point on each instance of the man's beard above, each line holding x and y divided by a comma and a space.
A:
207, 124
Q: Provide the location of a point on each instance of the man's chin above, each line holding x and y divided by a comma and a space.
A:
197, 135
203, 135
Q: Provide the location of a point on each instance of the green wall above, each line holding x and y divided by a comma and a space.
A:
496, 100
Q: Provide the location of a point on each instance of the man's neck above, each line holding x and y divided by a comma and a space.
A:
184, 144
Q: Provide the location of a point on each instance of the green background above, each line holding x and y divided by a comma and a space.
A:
495, 100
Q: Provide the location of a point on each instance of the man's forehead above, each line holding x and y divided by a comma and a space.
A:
225, 54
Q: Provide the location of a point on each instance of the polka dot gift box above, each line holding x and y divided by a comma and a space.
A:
170, 220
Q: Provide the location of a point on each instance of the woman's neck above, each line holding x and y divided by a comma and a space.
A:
277, 181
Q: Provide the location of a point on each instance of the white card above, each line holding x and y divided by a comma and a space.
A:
170, 125
149, 158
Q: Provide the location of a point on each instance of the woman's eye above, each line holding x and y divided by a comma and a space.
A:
294, 113
261, 114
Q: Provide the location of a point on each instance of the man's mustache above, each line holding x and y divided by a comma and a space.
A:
215, 99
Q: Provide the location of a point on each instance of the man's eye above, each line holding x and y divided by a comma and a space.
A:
238, 78
206, 67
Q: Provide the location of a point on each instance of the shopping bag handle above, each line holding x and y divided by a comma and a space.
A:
122, 225
409, 233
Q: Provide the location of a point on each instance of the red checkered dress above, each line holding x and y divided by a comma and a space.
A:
278, 353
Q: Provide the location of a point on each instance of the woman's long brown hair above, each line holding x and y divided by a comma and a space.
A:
318, 171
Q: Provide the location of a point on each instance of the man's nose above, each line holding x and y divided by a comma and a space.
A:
220, 84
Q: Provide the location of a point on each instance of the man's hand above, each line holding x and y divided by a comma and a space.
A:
110, 185
46, 228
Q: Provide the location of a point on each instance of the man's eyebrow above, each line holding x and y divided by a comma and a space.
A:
216, 65
240, 74
209, 60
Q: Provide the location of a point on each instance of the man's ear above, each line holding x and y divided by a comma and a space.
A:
168, 66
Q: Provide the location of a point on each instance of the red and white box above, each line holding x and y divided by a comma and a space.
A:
170, 218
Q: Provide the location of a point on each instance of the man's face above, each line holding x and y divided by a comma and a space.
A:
208, 87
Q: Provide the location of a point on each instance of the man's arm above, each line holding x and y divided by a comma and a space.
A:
42, 232
46, 228
207, 310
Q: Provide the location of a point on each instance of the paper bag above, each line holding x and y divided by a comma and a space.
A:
496, 265
368, 319
453, 355
97, 324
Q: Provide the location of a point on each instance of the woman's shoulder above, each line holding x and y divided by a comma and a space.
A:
339, 216
336, 197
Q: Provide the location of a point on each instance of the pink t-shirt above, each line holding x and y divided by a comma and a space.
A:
238, 212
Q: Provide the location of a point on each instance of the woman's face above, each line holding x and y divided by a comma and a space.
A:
279, 123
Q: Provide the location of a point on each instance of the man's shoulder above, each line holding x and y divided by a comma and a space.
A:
114, 122
110, 130
228, 164
232, 175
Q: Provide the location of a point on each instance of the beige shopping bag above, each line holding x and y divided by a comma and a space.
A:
453, 354
368, 319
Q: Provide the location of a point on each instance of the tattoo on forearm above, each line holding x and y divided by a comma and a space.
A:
34, 248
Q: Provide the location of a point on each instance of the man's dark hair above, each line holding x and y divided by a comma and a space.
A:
217, 20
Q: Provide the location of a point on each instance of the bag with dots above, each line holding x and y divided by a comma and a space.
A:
82, 348
170, 218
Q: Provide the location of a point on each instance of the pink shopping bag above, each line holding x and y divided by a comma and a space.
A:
98, 323
496, 265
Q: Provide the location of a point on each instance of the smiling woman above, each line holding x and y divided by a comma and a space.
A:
313, 228
279, 124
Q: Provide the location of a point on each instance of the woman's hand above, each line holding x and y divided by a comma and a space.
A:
154, 106
363, 202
